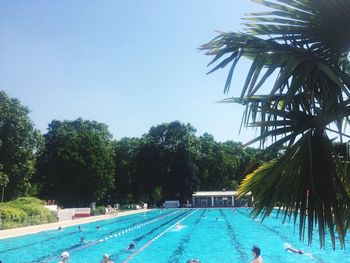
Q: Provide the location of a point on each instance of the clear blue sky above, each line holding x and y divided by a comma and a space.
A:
128, 64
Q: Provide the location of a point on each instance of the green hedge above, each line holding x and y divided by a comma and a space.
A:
24, 211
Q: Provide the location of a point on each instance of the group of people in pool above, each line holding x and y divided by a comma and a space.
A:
105, 258
256, 251
257, 258
65, 257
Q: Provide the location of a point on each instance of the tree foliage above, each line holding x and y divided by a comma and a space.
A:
18, 143
170, 162
125, 152
166, 161
77, 162
304, 45
76, 165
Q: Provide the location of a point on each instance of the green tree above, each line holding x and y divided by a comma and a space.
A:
307, 44
125, 152
165, 162
18, 144
222, 165
76, 165
4, 180
236, 160
210, 164
151, 167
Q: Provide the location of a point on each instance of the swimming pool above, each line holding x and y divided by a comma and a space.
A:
211, 235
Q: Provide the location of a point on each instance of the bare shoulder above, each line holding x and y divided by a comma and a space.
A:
257, 260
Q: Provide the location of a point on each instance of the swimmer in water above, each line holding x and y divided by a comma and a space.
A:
256, 255
60, 228
80, 228
84, 241
288, 247
64, 257
179, 226
294, 250
132, 246
106, 259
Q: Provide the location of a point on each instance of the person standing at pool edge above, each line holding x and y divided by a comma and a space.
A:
256, 254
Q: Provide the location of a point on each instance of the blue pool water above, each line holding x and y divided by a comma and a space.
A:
211, 235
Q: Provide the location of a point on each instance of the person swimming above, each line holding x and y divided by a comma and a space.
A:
256, 255
60, 228
294, 250
179, 226
193, 261
64, 257
106, 259
80, 228
132, 245
288, 247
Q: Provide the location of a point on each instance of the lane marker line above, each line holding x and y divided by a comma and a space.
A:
155, 238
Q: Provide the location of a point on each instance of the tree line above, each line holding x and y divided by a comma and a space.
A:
77, 162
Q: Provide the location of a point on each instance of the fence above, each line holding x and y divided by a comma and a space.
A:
72, 213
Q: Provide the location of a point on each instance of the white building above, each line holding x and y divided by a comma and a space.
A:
219, 199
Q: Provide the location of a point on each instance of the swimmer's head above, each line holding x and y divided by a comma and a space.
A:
132, 245
256, 251
65, 255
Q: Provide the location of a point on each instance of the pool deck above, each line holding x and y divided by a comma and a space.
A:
14, 232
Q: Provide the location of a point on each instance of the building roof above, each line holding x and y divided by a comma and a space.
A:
215, 193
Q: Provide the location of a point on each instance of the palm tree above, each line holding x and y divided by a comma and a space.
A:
304, 46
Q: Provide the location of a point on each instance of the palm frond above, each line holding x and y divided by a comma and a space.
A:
306, 43
304, 182
321, 25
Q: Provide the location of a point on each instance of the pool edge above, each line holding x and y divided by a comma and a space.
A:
21, 231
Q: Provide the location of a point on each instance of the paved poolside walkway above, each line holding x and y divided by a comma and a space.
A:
14, 232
